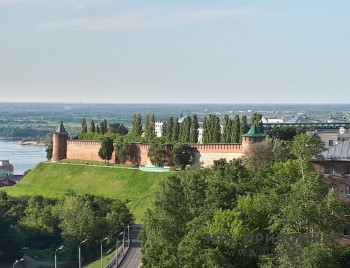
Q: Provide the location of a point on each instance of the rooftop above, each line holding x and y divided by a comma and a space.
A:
301, 119
338, 152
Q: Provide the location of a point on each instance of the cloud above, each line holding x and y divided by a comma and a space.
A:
147, 19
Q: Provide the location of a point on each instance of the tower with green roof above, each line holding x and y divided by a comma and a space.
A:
252, 136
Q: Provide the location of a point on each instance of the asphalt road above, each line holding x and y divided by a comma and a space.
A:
133, 257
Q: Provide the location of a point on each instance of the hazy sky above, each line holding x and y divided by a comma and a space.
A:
230, 51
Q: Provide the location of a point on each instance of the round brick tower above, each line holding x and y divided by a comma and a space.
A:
60, 137
253, 136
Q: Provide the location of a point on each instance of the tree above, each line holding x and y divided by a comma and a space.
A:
194, 130
305, 147
136, 129
117, 128
106, 149
98, 129
92, 127
182, 155
226, 135
165, 225
236, 130
185, 129
157, 152
103, 127
124, 152
256, 119
169, 130
83, 126
244, 127
265, 152
49, 150
212, 129
149, 127
176, 131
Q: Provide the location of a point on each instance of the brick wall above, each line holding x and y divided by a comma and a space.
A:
334, 174
85, 150
204, 153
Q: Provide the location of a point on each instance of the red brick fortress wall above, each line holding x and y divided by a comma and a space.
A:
85, 150
204, 153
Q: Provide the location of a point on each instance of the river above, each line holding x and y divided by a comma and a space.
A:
22, 157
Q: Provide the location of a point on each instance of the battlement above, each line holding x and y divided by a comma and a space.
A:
203, 153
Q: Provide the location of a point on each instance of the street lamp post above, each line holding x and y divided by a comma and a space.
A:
60, 248
17, 261
116, 251
80, 251
104, 239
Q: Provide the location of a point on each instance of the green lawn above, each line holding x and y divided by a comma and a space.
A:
53, 179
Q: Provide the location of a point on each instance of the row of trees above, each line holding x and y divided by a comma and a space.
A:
103, 128
173, 131
237, 199
39, 223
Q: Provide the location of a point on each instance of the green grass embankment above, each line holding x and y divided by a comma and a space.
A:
52, 180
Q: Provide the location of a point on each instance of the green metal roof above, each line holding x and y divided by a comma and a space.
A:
254, 132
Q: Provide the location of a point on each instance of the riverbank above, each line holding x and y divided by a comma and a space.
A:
36, 143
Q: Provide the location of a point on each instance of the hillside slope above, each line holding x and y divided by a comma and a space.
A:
52, 180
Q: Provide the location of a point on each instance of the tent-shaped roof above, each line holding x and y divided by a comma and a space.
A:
254, 132
60, 129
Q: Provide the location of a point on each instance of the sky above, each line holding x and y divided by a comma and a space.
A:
183, 51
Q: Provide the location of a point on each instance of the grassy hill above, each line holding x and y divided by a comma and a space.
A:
52, 180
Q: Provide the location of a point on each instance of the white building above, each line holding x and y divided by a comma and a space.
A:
332, 137
160, 128
266, 120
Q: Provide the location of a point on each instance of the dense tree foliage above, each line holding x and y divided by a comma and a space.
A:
221, 216
117, 128
286, 133
182, 155
211, 129
40, 223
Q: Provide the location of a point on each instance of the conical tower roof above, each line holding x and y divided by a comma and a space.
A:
254, 132
60, 129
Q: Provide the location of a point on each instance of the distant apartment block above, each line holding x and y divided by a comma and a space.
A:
332, 137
